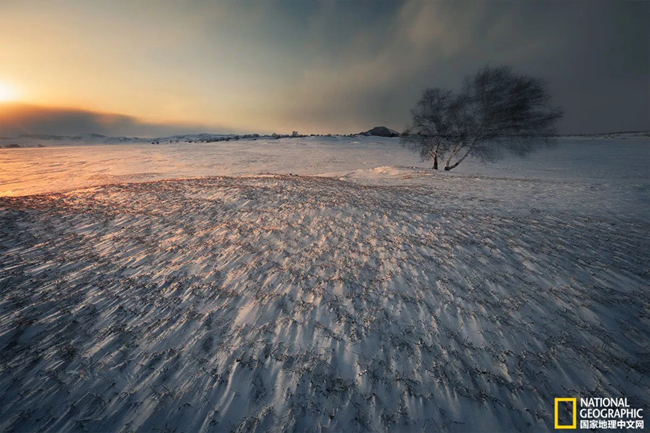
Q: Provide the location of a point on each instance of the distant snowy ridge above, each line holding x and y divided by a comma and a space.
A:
42, 140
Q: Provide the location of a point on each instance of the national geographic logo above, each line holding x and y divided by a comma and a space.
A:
597, 413
574, 411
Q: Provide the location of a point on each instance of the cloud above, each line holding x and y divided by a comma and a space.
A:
17, 119
330, 66
590, 53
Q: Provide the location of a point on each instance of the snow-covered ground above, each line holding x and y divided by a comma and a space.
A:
375, 296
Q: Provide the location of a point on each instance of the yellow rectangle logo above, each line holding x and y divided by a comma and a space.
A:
574, 402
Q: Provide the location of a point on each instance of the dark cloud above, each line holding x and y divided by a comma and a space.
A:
594, 55
18, 119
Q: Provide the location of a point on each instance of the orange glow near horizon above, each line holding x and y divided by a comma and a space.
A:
7, 92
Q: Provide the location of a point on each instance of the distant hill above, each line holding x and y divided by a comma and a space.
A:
381, 131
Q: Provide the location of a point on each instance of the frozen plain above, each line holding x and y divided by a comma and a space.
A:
322, 284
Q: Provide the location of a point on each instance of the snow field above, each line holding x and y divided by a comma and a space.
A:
404, 302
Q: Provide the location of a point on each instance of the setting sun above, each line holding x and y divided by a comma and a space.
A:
7, 93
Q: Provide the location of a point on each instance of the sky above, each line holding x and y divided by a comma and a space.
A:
148, 68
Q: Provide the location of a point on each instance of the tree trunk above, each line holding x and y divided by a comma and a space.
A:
453, 153
448, 167
434, 155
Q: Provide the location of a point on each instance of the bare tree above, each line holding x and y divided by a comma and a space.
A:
496, 111
429, 132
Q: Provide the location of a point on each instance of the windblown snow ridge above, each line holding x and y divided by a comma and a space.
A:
283, 302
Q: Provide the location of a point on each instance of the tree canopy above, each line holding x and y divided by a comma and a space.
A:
495, 111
